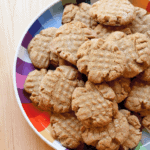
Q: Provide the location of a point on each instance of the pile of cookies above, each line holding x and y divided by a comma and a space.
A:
99, 92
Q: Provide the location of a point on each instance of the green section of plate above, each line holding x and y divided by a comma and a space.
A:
140, 147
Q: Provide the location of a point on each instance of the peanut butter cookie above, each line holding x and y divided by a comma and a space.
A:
109, 137
39, 49
121, 88
113, 12
93, 104
99, 61
69, 37
141, 23
78, 13
135, 134
66, 129
57, 87
32, 84
136, 48
139, 98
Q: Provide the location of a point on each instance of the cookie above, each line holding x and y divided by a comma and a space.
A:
144, 113
93, 104
32, 84
78, 13
39, 50
146, 122
113, 12
83, 15
109, 137
136, 48
54, 59
145, 75
63, 62
104, 31
139, 98
69, 13
99, 61
121, 87
66, 128
134, 130
69, 37
141, 23
57, 87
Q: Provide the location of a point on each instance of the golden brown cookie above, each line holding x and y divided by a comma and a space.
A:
69, 37
78, 13
136, 47
139, 98
141, 23
54, 59
135, 134
146, 122
92, 104
121, 88
66, 128
39, 49
32, 84
113, 12
64, 62
104, 31
145, 75
144, 113
69, 13
109, 137
83, 15
99, 61
57, 87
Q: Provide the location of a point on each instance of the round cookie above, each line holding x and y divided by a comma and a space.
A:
141, 23
83, 15
104, 31
146, 122
69, 13
39, 49
99, 61
57, 87
78, 13
69, 37
32, 84
139, 98
93, 104
121, 88
134, 130
113, 12
66, 128
136, 48
109, 137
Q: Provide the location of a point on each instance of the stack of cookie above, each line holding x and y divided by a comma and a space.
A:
108, 42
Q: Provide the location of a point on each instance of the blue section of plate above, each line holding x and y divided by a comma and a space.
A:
35, 27
45, 17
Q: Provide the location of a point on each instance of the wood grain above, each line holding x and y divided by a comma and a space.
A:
15, 16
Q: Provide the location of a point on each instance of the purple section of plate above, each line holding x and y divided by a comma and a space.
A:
23, 68
24, 97
28, 37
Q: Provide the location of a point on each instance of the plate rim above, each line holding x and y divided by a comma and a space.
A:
53, 145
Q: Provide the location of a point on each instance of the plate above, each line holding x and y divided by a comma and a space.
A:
38, 120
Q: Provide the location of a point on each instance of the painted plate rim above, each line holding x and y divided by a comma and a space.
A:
14, 76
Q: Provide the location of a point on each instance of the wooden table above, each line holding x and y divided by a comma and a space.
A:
15, 133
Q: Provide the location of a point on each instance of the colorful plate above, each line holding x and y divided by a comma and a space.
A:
38, 120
